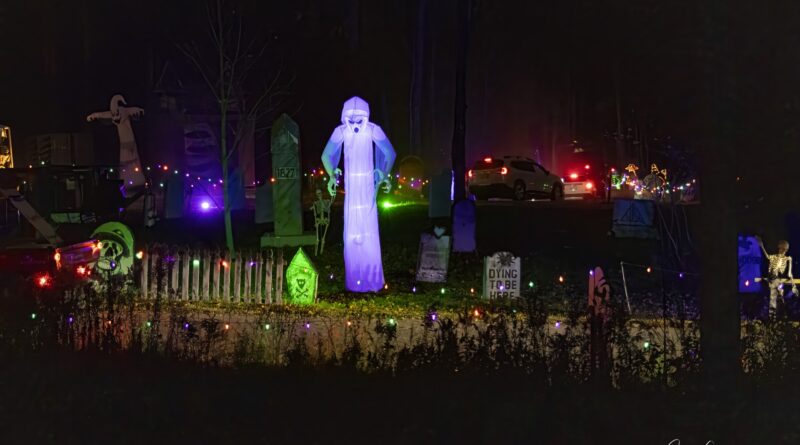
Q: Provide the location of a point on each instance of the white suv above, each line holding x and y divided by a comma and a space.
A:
515, 177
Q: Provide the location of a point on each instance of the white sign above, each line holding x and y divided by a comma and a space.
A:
501, 276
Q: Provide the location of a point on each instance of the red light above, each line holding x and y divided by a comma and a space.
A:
272, 180
469, 173
43, 280
81, 270
613, 169
224, 264
589, 186
586, 166
503, 171
57, 259
573, 176
166, 167
487, 160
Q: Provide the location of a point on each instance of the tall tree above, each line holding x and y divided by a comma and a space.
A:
232, 65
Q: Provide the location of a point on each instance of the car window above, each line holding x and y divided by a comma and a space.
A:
542, 169
523, 165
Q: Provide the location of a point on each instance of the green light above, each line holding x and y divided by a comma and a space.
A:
392, 321
387, 205
442, 291
33, 315
530, 283
149, 324
266, 327
646, 345
196, 262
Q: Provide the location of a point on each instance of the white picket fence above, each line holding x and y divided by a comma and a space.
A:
190, 275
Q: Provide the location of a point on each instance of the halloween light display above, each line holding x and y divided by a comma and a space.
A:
365, 171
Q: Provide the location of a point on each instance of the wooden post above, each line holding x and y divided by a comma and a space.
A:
215, 275
237, 278
185, 260
279, 277
194, 257
268, 278
226, 278
173, 269
248, 277
257, 284
206, 272
145, 270
154, 271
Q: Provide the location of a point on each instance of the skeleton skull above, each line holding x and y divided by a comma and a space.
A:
116, 248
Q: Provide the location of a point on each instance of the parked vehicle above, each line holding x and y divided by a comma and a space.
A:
582, 184
513, 177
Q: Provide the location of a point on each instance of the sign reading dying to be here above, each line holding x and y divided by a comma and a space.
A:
501, 276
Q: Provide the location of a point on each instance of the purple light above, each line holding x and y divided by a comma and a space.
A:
558, 324
433, 316
252, 264
308, 325
186, 326
680, 275
414, 289
591, 273
69, 320
205, 205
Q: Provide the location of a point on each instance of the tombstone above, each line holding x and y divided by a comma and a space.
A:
633, 218
501, 276
302, 279
464, 226
264, 204
439, 192
749, 264
434, 256
174, 197
287, 187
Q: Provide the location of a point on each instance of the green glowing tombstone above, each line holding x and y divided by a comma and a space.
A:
302, 279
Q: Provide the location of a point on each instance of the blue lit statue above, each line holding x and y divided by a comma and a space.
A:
365, 170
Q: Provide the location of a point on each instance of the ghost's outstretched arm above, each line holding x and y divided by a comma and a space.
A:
385, 154
331, 156
98, 115
131, 112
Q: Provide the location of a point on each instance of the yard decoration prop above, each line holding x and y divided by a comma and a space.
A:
501, 276
286, 199
434, 256
598, 307
120, 115
365, 171
301, 279
115, 243
322, 219
749, 264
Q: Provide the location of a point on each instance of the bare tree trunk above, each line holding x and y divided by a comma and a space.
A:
458, 154
621, 155
417, 84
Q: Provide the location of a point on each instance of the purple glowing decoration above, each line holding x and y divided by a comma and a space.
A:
308, 325
433, 316
205, 205
70, 320
558, 324
365, 170
186, 326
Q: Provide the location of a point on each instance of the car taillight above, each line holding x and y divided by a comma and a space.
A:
469, 173
503, 171
43, 280
589, 186
586, 166
573, 176
487, 160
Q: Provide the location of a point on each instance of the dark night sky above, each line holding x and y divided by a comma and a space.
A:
538, 71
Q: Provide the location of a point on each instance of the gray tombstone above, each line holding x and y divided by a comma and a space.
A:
434, 256
264, 204
173, 205
286, 190
439, 195
464, 226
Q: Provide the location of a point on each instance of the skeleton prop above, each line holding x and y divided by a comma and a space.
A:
365, 170
779, 271
120, 116
322, 219
115, 241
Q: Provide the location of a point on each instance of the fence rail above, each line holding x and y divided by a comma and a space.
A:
211, 275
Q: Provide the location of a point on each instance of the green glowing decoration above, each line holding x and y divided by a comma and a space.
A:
116, 248
301, 279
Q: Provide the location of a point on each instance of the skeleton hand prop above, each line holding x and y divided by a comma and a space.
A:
332, 182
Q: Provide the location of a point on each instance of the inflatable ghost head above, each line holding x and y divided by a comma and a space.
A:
355, 114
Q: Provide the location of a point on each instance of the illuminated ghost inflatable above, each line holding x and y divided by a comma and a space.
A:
365, 170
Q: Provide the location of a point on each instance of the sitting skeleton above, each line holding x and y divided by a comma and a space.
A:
779, 273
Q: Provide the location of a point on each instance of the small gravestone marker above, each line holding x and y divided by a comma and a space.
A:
434, 255
501, 276
439, 195
464, 226
301, 279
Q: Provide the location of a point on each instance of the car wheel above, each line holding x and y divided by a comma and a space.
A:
519, 190
558, 193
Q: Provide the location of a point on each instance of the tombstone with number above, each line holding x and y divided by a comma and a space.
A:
302, 279
501, 276
286, 197
434, 255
